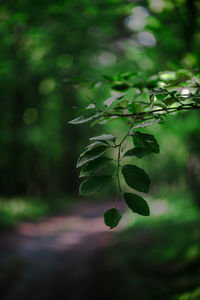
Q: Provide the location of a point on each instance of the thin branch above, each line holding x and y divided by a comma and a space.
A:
119, 151
141, 115
164, 110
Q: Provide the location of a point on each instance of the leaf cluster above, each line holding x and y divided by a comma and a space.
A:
141, 104
93, 162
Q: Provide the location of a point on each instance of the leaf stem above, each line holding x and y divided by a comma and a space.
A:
119, 151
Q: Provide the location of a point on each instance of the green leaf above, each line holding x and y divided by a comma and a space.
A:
109, 78
146, 141
104, 138
91, 106
170, 101
167, 76
91, 154
108, 102
136, 178
137, 151
160, 104
94, 184
83, 119
196, 98
120, 86
160, 93
95, 144
94, 166
128, 75
146, 124
112, 217
137, 204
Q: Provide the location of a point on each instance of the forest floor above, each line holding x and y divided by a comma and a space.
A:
74, 256
52, 258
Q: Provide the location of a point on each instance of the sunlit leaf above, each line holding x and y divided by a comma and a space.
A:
91, 106
108, 102
104, 138
160, 104
160, 93
83, 119
95, 144
167, 75
148, 123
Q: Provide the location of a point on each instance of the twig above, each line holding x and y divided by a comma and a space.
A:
119, 151
166, 110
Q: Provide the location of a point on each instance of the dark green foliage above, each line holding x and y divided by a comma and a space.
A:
112, 217
136, 178
137, 204
94, 184
94, 166
137, 151
120, 86
91, 154
146, 141
140, 111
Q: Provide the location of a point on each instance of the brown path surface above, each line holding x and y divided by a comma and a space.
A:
52, 258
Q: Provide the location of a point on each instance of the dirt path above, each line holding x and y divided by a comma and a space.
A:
52, 258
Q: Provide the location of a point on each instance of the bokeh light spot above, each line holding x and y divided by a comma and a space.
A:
38, 54
137, 20
157, 5
106, 59
146, 38
30, 116
47, 86
65, 61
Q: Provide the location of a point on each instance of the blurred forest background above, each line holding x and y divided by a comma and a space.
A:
48, 45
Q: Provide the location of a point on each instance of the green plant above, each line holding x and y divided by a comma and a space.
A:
140, 103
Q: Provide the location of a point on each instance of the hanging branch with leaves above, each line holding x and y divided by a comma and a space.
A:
168, 92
